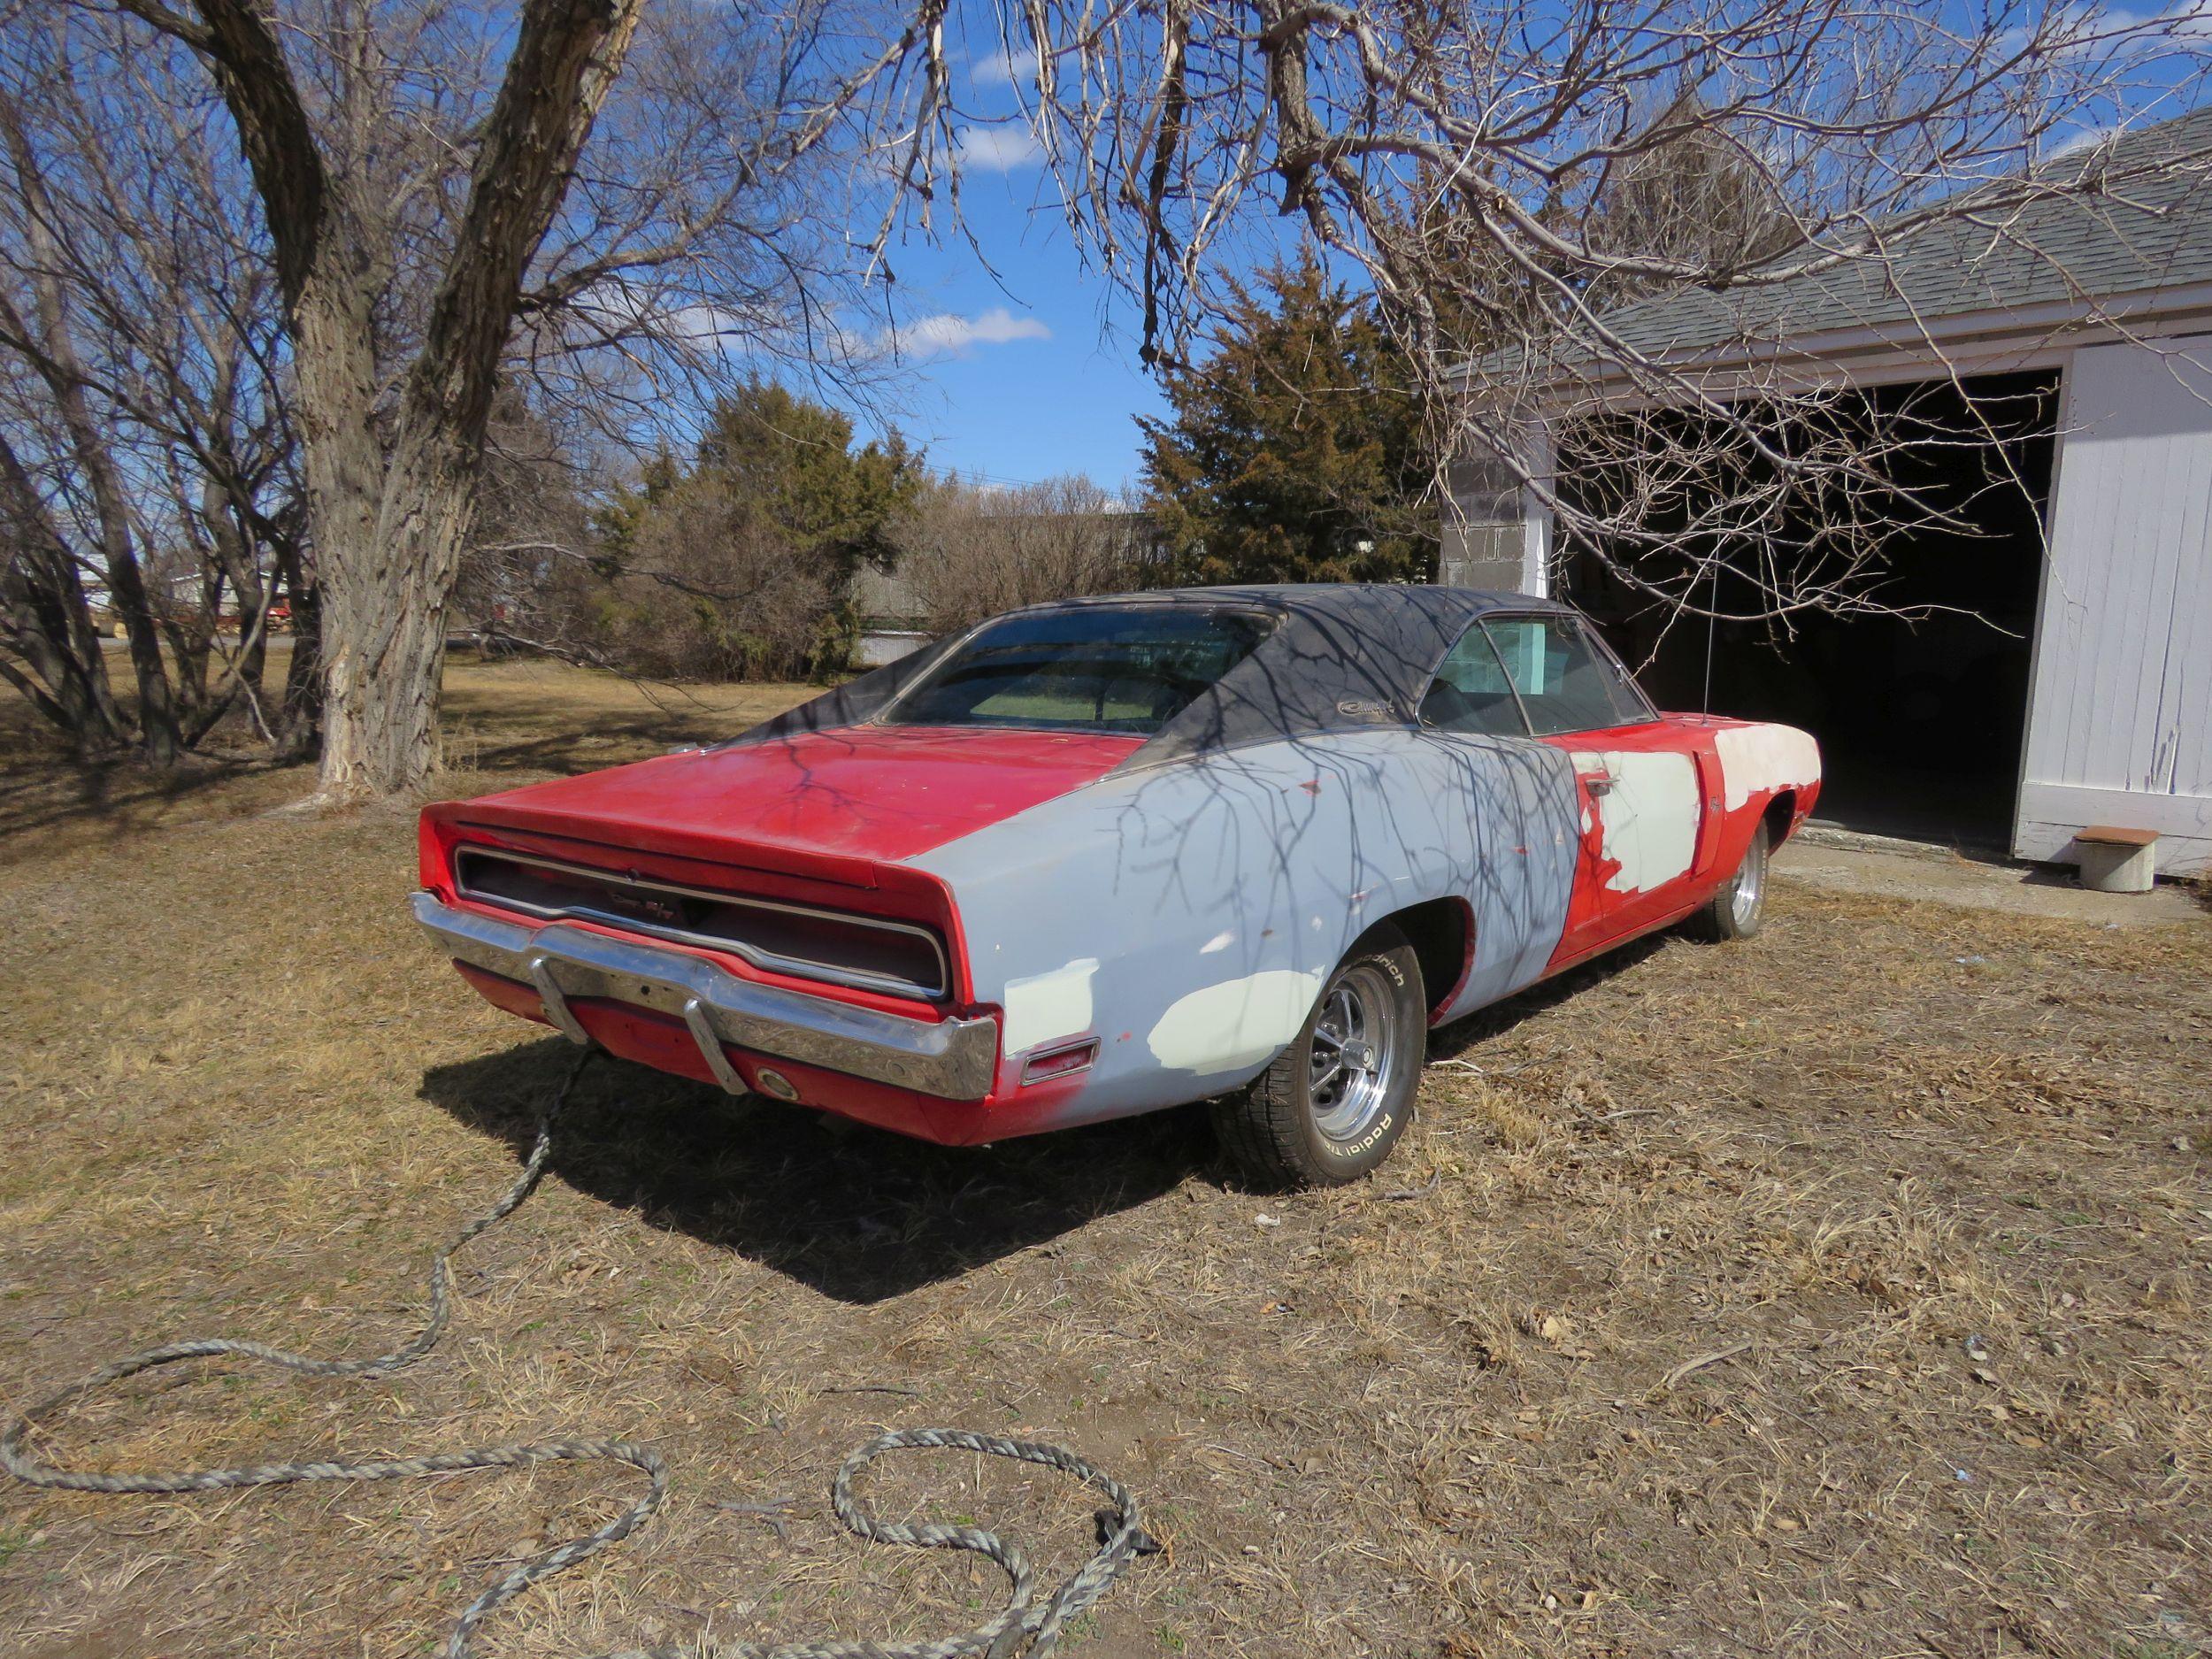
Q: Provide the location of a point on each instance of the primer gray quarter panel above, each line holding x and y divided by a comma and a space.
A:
1187, 914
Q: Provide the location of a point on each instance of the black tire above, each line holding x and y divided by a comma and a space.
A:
1303, 1124
1736, 911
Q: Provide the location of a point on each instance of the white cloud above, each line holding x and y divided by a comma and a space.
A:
999, 149
2087, 138
2096, 30
948, 334
1004, 68
616, 310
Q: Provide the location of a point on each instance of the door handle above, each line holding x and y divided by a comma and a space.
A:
1597, 782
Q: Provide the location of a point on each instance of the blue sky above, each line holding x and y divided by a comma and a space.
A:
1023, 363
1028, 367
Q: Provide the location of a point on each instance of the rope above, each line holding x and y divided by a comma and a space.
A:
1022, 1620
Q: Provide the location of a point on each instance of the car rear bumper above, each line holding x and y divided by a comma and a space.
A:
951, 1059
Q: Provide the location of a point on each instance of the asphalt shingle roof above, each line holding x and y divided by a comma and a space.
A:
2153, 230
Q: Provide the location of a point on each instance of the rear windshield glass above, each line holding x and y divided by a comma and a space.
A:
1096, 668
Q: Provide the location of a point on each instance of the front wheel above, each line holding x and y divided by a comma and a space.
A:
1335, 1101
1736, 910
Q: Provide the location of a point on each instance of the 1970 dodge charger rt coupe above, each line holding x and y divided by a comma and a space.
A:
1106, 856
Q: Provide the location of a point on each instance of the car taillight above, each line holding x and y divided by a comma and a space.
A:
865, 952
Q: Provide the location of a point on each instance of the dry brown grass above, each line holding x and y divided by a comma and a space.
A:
1931, 1184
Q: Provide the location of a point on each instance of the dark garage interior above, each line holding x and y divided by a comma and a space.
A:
1920, 706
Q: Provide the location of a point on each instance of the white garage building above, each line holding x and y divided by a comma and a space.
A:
2079, 692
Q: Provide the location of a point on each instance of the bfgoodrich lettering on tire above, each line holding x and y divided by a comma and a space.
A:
1337, 1099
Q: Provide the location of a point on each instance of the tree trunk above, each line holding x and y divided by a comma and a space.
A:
384, 633
390, 498
300, 724
66, 682
48, 620
391, 517
240, 563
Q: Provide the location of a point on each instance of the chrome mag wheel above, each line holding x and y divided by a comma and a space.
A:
1750, 889
1333, 1104
1737, 908
1354, 1052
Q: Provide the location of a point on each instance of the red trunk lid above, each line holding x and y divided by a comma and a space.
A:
831, 804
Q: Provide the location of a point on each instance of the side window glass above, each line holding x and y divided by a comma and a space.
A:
1628, 697
1564, 685
1470, 692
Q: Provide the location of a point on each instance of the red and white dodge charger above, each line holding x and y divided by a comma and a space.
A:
1102, 857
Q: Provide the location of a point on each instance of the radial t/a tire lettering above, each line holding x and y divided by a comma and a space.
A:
1334, 1102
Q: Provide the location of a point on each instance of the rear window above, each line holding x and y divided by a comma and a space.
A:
1093, 669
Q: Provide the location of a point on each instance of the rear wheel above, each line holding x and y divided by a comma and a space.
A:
1335, 1101
1736, 910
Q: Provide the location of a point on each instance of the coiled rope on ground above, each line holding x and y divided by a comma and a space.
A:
1023, 1620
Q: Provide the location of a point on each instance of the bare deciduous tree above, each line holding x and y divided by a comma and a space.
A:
389, 480
145, 450
967, 552
1503, 174
429, 179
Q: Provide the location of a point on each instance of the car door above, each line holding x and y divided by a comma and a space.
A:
1642, 806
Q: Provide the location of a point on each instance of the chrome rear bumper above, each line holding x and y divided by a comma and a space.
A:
954, 1059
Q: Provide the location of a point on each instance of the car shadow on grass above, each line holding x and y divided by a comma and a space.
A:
1453, 1041
855, 1213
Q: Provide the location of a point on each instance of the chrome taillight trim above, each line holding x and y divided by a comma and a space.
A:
775, 962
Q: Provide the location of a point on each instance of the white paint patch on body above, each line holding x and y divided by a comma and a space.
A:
1235, 1024
1220, 941
1649, 818
1756, 758
1045, 1006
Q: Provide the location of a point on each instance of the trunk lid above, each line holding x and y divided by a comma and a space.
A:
831, 804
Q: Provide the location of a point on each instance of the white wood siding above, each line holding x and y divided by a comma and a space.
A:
2120, 711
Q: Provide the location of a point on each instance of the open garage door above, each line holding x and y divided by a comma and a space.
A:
1920, 710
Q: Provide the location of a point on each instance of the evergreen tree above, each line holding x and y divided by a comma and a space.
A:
742, 564
792, 462
1296, 450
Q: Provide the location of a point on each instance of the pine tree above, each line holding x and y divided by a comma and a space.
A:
1295, 452
742, 562
793, 462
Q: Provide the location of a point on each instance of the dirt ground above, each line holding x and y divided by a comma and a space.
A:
1824, 857
1840, 1291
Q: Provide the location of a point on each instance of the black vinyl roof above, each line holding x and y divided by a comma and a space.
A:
1341, 656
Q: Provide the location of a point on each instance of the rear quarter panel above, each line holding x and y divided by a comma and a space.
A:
1186, 915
